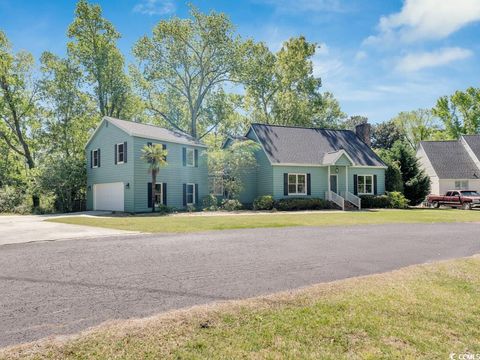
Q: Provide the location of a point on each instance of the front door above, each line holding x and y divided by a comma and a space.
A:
333, 183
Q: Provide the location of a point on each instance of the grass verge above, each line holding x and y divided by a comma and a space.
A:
177, 224
420, 312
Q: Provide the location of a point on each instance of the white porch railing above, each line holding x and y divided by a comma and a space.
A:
337, 199
355, 200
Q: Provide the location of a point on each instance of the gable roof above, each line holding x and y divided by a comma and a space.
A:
450, 159
473, 141
311, 146
149, 132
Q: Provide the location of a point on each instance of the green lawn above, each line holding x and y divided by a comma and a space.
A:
203, 223
421, 312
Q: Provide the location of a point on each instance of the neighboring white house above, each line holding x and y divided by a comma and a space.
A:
451, 164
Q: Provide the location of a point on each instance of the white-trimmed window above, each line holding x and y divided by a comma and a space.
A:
95, 158
120, 153
365, 184
216, 185
190, 194
190, 157
461, 184
297, 184
158, 194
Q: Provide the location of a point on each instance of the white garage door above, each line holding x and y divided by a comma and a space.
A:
108, 197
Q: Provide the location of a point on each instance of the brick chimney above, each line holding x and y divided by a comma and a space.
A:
363, 132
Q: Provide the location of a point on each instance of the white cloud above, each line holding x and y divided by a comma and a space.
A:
417, 61
155, 7
426, 19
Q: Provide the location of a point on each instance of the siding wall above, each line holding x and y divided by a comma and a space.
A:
449, 184
174, 174
368, 171
105, 140
264, 173
428, 168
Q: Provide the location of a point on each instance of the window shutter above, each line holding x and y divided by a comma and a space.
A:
196, 157
125, 152
99, 157
184, 192
91, 159
375, 185
149, 192
309, 183
164, 147
355, 184
115, 151
285, 184
164, 193
184, 150
196, 193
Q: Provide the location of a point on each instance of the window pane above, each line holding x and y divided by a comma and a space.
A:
292, 188
190, 157
368, 180
361, 181
368, 188
292, 179
301, 184
158, 187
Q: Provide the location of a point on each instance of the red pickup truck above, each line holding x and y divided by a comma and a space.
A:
465, 199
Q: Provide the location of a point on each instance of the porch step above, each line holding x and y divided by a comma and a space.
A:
349, 206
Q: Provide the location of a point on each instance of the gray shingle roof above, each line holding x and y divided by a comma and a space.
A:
450, 160
296, 145
474, 142
153, 132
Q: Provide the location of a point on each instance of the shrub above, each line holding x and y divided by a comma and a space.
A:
294, 204
191, 208
264, 202
397, 200
375, 201
210, 203
12, 200
231, 205
163, 209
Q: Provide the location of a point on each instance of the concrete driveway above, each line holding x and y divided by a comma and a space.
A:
61, 287
29, 228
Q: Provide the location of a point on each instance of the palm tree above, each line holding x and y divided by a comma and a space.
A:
156, 157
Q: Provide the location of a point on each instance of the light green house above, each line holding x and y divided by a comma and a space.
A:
336, 165
118, 179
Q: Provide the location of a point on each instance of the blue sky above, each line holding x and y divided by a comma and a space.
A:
378, 57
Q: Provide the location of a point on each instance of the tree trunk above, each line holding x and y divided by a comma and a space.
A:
154, 180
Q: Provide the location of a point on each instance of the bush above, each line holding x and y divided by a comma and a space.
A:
294, 204
210, 203
264, 202
231, 205
12, 200
163, 209
375, 201
191, 208
397, 200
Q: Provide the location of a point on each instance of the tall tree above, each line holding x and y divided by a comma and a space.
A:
460, 113
182, 63
282, 89
69, 113
417, 125
416, 183
94, 47
19, 122
385, 134
353, 121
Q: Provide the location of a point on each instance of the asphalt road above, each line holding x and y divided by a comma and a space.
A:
61, 287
